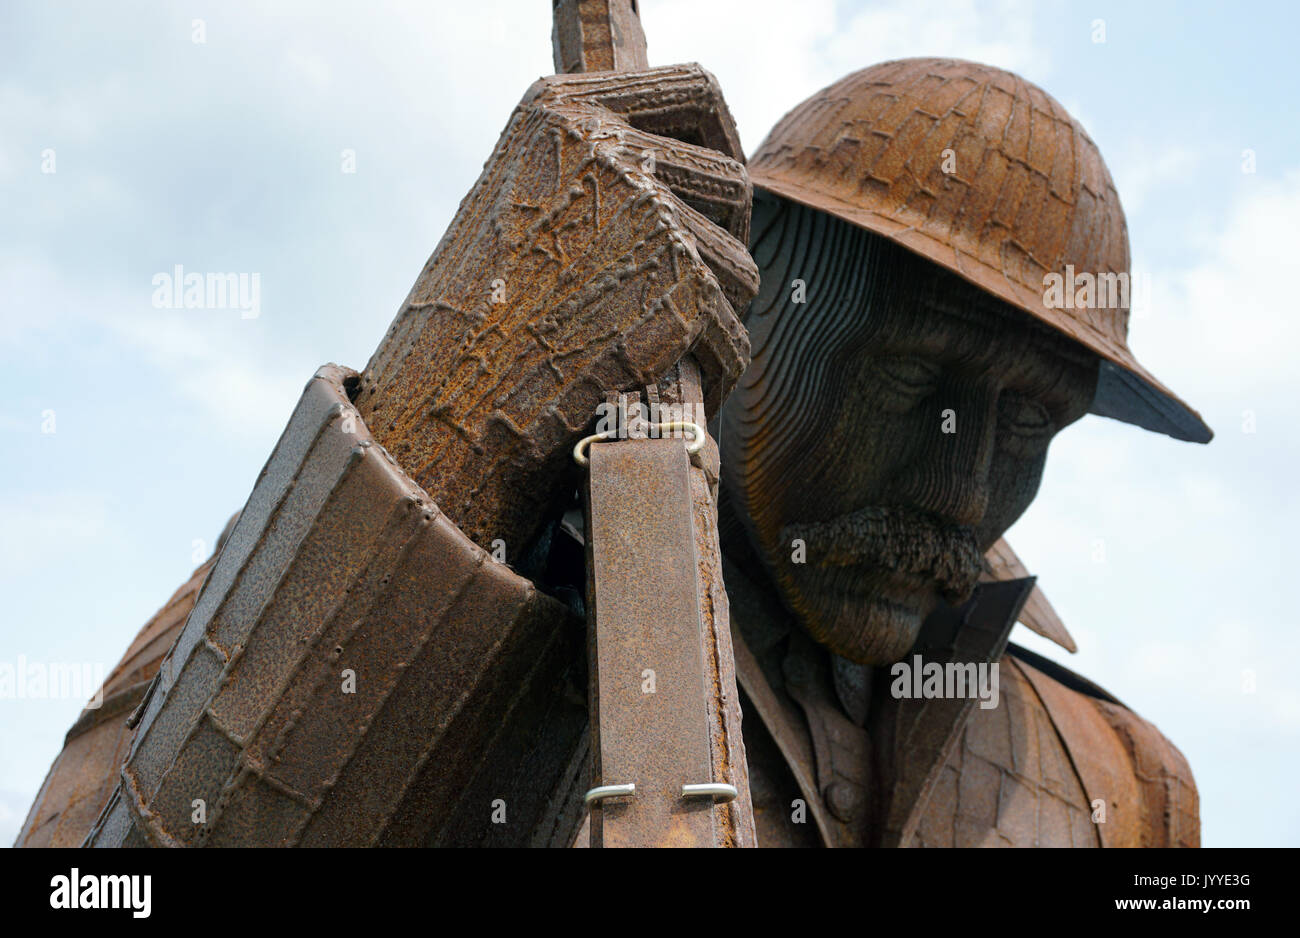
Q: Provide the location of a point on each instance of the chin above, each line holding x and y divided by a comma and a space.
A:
868, 625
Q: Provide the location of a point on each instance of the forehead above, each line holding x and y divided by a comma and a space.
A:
865, 295
935, 313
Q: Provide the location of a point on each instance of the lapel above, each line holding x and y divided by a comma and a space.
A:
862, 786
914, 737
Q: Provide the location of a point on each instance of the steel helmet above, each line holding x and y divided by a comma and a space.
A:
985, 174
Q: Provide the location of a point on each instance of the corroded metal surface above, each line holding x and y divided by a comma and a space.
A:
355, 671
1053, 766
842, 749
1170, 813
1025, 773
1010, 781
780, 718
988, 176
644, 518
1145, 783
606, 34
597, 36
83, 775
588, 259
595, 253
649, 726
895, 292
733, 820
894, 421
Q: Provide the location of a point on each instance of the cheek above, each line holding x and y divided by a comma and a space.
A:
848, 467
1013, 483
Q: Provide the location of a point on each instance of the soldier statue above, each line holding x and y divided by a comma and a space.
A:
461, 607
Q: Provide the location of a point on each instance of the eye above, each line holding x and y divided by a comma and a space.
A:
1023, 416
913, 377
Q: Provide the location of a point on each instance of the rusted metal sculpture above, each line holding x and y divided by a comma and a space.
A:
908, 374
657, 609
571, 273
989, 177
359, 666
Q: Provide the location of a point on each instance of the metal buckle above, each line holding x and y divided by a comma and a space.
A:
694, 446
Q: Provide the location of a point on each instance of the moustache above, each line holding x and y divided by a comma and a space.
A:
902, 540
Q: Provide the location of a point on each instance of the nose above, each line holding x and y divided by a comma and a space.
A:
953, 451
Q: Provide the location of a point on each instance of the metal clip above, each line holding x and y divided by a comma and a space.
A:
601, 792
694, 446
719, 790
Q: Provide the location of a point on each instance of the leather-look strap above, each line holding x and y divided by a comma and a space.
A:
659, 703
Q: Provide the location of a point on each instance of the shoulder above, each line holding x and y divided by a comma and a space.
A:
1144, 784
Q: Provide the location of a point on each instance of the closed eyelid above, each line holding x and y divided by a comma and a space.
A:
1024, 414
906, 372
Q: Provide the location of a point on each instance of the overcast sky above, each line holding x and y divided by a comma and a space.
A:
1171, 563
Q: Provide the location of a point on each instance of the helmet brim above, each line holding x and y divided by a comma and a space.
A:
1125, 390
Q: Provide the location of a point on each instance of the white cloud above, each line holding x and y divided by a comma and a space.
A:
997, 33
41, 531
1227, 322
777, 54
1142, 169
308, 65
225, 363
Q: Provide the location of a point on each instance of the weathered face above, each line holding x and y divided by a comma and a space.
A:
890, 429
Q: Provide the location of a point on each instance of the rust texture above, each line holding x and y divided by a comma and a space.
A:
657, 611
647, 703
602, 248
733, 821
1032, 771
773, 714
895, 423
988, 176
589, 258
355, 671
1011, 781
598, 36
681, 621
1124, 761
1025, 773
